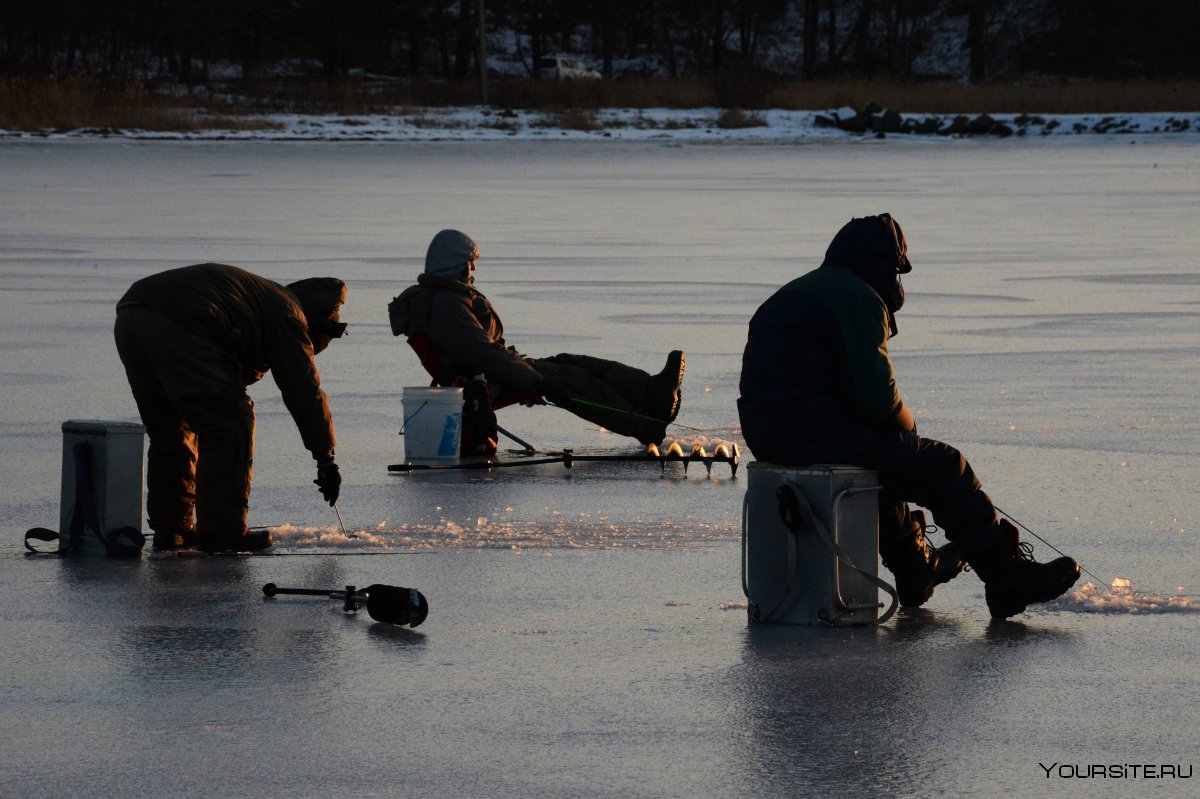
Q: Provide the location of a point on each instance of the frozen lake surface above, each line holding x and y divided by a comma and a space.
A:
587, 634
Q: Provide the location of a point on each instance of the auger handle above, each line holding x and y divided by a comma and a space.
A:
270, 589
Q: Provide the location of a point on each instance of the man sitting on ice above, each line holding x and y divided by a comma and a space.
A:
459, 335
818, 386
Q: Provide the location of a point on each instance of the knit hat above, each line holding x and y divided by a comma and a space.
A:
449, 253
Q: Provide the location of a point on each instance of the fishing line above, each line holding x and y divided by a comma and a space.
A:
1047, 543
611, 409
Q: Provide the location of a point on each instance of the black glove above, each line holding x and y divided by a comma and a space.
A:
554, 394
329, 480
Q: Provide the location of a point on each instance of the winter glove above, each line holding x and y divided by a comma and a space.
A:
329, 481
554, 394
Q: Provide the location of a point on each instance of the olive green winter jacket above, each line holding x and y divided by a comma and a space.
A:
816, 379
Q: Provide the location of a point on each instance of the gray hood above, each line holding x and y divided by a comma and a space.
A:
449, 253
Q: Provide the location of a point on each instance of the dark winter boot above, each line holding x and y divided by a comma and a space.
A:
662, 390
1012, 579
249, 541
917, 566
175, 539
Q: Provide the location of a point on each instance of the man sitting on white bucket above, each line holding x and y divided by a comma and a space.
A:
191, 340
458, 334
818, 387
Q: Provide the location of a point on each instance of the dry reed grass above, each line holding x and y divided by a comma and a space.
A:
73, 103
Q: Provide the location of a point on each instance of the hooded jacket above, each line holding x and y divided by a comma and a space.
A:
817, 382
261, 324
464, 331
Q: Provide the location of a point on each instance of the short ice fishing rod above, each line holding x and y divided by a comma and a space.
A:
386, 603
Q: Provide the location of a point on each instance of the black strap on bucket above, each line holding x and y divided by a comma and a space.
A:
120, 542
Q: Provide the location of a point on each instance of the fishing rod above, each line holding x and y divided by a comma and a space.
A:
386, 603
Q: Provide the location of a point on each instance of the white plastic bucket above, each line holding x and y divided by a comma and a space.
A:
432, 422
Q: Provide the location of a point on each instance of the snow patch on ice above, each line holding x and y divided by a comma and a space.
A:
296, 536
555, 532
1121, 598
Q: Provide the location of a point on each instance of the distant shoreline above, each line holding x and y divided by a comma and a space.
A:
636, 109
646, 124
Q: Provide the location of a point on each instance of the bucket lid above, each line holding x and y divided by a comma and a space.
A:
431, 392
100, 427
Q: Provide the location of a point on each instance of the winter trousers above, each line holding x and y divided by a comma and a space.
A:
928, 473
608, 383
200, 423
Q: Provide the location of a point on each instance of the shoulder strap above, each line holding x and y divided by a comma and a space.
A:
121, 542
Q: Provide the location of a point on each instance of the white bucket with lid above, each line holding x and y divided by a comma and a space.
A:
432, 422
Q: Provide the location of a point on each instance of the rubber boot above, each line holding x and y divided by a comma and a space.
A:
663, 389
1012, 579
917, 566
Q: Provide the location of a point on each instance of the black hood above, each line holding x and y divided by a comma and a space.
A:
875, 249
320, 299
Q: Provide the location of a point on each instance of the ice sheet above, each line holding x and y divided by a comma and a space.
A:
587, 634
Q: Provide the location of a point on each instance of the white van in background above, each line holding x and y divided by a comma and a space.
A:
561, 67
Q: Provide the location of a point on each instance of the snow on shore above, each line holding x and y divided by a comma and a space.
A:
656, 124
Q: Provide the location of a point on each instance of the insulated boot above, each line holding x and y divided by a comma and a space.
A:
176, 539
653, 433
917, 566
249, 541
1012, 579
662, 390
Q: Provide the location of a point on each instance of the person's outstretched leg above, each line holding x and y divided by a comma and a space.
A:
612, 394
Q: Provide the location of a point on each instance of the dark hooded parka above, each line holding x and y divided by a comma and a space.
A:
817, 352
191, 340
817, 386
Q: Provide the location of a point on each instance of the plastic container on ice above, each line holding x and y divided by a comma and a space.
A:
109, 455
792, 572
432, 422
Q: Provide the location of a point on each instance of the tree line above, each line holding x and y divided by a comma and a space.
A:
990, 40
